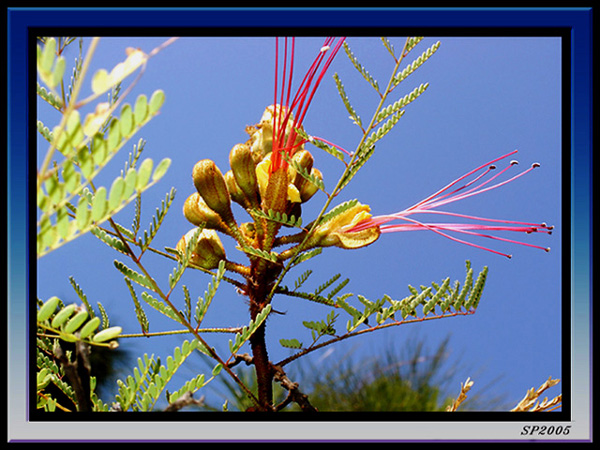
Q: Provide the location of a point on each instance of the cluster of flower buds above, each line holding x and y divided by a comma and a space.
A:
249, 183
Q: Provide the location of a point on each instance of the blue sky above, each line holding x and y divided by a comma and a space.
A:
486, 97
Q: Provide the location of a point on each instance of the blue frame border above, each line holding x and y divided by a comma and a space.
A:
131, 21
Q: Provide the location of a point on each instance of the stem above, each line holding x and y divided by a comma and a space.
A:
258, 289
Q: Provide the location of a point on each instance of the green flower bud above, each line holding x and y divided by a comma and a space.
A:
211, 185
196, 211
208, 251
244, 171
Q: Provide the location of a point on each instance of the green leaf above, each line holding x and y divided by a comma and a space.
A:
83, 215
46, 59
140, 279
99, 204
141, 109
126, 120
361, 68
47, 309
161, 169
100, 81
156, 101
76, 321
62, 316
107, 334
116, 193
89, 327
291, 343
144, 173
340, 87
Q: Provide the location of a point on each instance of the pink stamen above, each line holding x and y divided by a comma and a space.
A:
332, 144
441, 198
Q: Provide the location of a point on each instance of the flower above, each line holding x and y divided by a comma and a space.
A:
342, 229
285, 136
430, 204
208, 250
276, 139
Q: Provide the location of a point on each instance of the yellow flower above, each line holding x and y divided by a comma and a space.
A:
262, 177
337, 231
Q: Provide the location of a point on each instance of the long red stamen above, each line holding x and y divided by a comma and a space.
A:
299, 103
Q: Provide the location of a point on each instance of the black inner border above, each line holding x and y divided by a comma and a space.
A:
217, 31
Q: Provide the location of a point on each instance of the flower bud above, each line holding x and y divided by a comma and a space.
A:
262, 138
244, 171
196, 211
334, 232
208, 250
309, 189
211, 185
304, 160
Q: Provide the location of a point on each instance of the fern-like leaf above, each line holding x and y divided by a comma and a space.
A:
365, 74
342, 92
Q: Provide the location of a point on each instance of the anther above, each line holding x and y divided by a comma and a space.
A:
535, 165
325, 48
514, 162
492, 167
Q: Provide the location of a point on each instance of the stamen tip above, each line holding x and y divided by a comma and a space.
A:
325, 48
492, 167
535, 164
547, 249
509, 256
514, 162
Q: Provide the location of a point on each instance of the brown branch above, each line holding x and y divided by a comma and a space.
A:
294, 394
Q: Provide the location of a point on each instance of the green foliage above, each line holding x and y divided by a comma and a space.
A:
69, 203
141, 391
